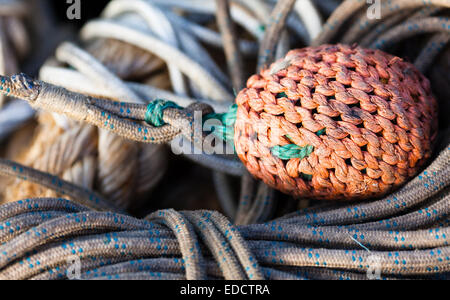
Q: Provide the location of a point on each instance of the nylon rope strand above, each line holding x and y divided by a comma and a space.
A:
88, 76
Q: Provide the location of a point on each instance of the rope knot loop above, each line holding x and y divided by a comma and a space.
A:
155, 111
227, 119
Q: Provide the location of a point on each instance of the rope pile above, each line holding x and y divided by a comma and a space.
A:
79, 153
403, 235
81, 171
407, 232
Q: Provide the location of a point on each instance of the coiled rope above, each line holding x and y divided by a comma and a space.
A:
330, 241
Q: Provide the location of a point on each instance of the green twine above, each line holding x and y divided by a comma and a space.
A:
155, 111
306, 177
321, 132
286, 152
282, 95
289, 151
228, 119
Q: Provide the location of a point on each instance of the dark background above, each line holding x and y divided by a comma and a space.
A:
89, 9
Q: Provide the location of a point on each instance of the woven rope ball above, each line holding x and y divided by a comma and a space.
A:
336, 122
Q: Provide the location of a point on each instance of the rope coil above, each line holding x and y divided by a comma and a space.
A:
155, 110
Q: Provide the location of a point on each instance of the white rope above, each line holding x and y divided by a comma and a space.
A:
13, 115
108, 29
77, 82
310, 17
158, 24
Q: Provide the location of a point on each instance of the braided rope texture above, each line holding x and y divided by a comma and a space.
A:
370, 117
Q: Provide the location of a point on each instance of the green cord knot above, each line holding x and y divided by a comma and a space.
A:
289, 151
155, 111
228, 119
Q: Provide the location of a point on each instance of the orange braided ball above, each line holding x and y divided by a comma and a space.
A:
361, 121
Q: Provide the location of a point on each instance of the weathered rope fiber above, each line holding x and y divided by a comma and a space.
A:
86, 197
